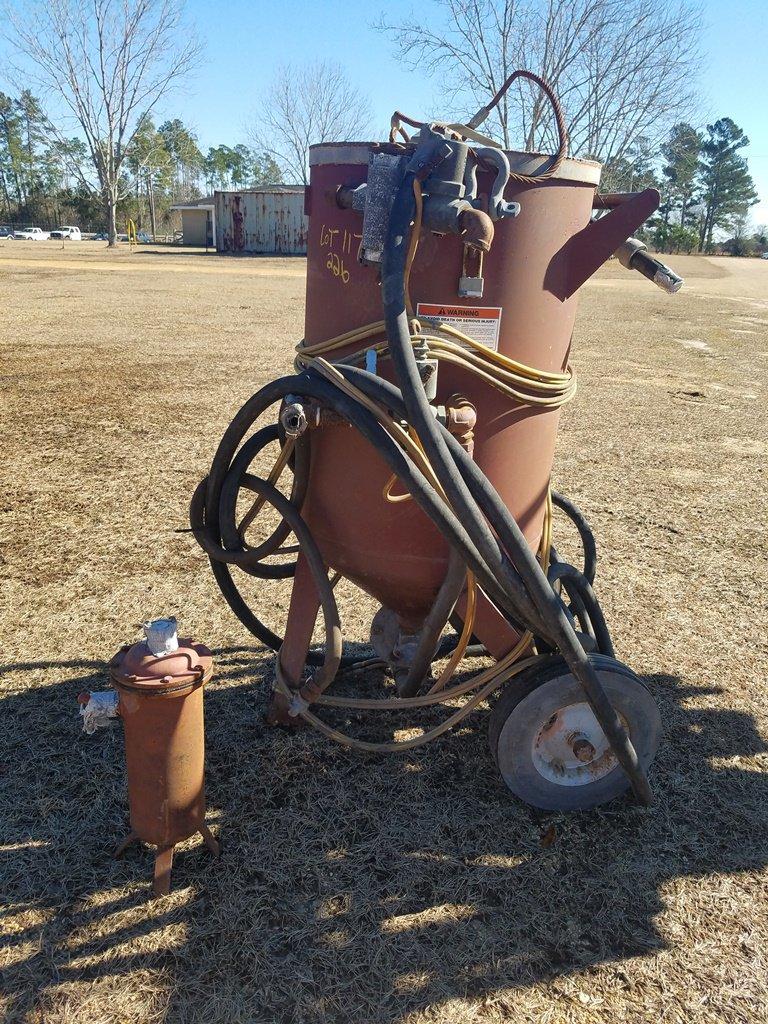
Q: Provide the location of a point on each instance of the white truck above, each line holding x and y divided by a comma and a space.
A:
67, 231
31, 234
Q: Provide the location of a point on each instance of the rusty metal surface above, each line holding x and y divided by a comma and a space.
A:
584, 253
572, 168
161, 706
254, 221
477, 230
392, 550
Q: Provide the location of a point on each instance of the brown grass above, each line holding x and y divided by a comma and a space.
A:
357, 889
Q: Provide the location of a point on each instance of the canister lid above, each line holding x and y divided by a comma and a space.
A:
585, 172
137, 668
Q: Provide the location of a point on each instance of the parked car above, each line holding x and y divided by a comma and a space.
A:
6, 231
764, 256
31, 234
67, 231
100, 236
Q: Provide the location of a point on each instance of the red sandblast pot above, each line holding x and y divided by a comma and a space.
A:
536, 263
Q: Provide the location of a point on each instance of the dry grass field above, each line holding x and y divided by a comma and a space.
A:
356, 889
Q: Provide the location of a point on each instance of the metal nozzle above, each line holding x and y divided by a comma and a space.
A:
293, 417
633, 255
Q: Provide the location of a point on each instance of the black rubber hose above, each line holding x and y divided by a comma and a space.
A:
434, 624
234, 481
449, 644
588, 544
389, 396
244, 419
208, 542
575, 581
419, 487
204, 516
583, 597
545, 600
420, 415
332, 624
411, 478
488, 499
575, 607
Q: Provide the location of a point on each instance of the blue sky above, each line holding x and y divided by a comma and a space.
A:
244, 42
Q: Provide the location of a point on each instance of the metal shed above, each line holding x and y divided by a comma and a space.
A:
262, 220
198, 222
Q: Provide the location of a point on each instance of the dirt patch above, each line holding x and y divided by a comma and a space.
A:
355, 888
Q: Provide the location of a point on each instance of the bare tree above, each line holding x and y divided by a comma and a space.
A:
622, 68
107, 63
305, 105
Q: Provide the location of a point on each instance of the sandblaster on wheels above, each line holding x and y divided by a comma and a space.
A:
548, 746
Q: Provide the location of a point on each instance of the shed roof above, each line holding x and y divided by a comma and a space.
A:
260, 189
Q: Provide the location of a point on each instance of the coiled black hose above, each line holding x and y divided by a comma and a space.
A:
474, 521
584, 603
588, 544
527, 574
205, 509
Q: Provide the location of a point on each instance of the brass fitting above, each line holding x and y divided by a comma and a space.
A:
461, 419
476, 229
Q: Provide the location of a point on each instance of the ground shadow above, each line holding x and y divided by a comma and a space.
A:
351, 888
212, 251
176, 251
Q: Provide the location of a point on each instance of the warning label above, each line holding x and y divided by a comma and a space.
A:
481, 323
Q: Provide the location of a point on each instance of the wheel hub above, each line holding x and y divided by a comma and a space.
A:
570, 748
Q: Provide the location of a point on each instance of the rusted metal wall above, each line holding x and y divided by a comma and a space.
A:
261, 222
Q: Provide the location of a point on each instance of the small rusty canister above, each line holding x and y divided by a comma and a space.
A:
160, 684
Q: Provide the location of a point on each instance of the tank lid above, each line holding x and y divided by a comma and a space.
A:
572, 169
137, 668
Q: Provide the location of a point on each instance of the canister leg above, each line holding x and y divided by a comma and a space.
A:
490, 628
122, 847
209, 840
302, 614
163, 864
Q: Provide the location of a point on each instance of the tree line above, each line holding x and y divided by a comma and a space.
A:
44, 177
705, 185
704, 179
625, 72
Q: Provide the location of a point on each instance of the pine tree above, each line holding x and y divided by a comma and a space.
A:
182, 146
150, 164
680, 170
632, 172
11, 152
34, 127
728, 189
266, 170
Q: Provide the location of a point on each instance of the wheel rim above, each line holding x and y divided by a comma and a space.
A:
570, 748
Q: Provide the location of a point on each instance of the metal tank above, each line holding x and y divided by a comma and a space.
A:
391, 550
527, 312
442, 280
160, 684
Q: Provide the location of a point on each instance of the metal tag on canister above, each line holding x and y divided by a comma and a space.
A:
160, 685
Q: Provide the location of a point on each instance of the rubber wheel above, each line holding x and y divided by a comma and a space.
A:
548, 746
